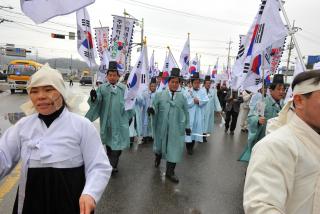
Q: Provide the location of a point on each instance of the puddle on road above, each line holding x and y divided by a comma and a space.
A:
12, 118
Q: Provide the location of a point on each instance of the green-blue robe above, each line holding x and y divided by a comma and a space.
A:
169, 123
114, 120
257, 131
212, 106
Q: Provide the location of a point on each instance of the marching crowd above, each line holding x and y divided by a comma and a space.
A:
56, 145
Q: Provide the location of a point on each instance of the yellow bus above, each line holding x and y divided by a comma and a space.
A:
19, 72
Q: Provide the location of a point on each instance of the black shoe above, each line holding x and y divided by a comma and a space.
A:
172, 178
189, 148
243, 130
114, 171
226, 131
157, 161
205, 138
231, 132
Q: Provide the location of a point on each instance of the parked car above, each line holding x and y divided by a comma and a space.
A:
3, 76
86, 80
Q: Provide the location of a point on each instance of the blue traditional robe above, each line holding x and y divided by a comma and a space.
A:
257, 131
212, 106
169, 123
196, 112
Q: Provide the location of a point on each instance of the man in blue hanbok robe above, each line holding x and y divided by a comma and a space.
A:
265, 109
170, 120
107, 103
212, 106
147, 98
197, 99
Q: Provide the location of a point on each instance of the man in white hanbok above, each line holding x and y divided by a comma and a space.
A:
283, 175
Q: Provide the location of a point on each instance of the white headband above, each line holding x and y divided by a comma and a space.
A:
306, 87
285, 114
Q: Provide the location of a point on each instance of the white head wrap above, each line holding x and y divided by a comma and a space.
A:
286, 112
43, 77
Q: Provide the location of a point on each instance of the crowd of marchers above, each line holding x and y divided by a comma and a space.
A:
66, 164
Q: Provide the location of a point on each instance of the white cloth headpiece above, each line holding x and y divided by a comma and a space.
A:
286, 113
43, 77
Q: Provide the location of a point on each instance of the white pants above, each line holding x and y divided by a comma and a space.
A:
244, 117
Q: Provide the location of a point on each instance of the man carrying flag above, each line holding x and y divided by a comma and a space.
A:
263, 110
197, 98
107, 103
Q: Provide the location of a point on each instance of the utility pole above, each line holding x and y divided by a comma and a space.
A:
290, 47
229, 49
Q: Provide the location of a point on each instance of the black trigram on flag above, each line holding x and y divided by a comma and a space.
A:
246, 68
143, 78
263, 4
258, 80
241, 51
167, 65
259, 35
139, 64
85, 22
87, 54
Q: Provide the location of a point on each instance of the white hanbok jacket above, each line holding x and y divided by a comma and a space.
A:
283, 175
70, 141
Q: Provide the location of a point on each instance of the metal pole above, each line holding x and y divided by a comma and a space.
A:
292, 35
289, 55
89, 50
142, 32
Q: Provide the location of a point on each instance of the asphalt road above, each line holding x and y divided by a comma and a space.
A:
211, 180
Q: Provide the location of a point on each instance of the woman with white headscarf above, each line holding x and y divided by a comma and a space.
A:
64, 166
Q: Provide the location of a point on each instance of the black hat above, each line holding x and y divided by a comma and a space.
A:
278, 79
175, 72
195, 76
207, 78
153, 80
113, 66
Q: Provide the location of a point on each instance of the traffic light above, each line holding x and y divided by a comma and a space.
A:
57, 36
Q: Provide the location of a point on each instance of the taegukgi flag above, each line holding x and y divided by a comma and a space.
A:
42, 10
134, 80
185, 58
84, 37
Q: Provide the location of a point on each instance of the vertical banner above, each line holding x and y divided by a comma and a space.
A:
121, 40
84, 37
102, 34
102, 44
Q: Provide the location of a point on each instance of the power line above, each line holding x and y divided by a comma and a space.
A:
177, 12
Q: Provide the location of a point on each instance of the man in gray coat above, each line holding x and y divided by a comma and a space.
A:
232, 110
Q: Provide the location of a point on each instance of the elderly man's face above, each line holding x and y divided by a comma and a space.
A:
46, 99
113, 77
278, 92
307, 108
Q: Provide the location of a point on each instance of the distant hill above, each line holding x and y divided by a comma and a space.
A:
59, 63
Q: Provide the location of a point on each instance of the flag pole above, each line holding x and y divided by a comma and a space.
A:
292, 35
89, 49
173, 57
263, 72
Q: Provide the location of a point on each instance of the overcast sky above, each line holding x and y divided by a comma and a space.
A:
209, 36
